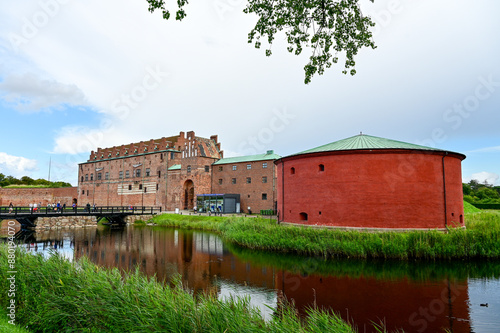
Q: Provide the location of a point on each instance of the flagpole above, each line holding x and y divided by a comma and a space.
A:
50, 162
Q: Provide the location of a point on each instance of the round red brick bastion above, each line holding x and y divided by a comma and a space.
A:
370, 182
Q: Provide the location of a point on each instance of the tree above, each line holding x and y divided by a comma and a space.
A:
27, 180
329, 27
474, 185
466, 189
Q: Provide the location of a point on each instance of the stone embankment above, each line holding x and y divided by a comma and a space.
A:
43, 223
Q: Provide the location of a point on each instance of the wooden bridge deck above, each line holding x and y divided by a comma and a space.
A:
19, 212
27, 216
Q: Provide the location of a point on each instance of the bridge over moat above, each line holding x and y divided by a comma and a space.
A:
115, 215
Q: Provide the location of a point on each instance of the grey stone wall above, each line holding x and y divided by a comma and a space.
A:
43, 223
65, 222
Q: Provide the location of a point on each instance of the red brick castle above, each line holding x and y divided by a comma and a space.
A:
170, 172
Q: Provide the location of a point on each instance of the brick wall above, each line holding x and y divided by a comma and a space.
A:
379, 189
148, 182
25, 196
254, 192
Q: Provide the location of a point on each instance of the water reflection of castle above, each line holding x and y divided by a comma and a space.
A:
205, 265
198, 257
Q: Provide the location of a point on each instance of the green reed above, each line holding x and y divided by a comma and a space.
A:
55, 295
481, 238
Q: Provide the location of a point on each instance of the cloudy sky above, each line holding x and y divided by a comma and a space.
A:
77, 75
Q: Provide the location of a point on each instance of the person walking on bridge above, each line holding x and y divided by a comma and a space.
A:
11, 207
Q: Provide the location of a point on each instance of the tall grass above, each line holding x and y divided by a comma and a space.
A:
5, 326
55, 295
481, 238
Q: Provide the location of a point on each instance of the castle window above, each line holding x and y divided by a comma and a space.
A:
234, 167
157, 187
207, 168
221, 168
233, 181
86, 177
249, 166
99, 176
127, 174
159, 174
220, 181
91, 177
106, 175
148, 172
292, 171
140, 186
121, 175
249, 180
264, 179
145, 189
137, 172
303, 216
264, 165
188, 168
82, 178
83, 192
130, 187
321, 167
264, 196
87, 192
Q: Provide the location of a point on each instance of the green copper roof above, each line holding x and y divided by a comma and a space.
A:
270, 155
175, 167
363, 141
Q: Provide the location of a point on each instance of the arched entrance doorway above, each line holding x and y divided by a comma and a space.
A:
188, 194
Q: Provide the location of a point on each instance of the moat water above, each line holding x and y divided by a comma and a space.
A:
409, 296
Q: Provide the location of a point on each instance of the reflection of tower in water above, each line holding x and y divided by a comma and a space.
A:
400, 304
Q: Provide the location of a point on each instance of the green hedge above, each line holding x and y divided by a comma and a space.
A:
487, 205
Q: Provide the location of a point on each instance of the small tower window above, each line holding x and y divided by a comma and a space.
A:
292, 171
321, 167
303, 216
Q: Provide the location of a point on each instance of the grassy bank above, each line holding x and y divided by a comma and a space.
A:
481, 239
54, 295
469, 208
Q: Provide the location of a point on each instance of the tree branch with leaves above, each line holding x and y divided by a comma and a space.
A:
330, 28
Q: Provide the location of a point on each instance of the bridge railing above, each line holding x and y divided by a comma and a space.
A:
85, 210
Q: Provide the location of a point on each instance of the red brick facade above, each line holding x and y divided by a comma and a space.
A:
254, 180
384, 188
25, 196
171, 172
167, 172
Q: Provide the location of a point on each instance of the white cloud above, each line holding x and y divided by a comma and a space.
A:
80, 140
494, 149
481, 177
16, 166
28, 92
